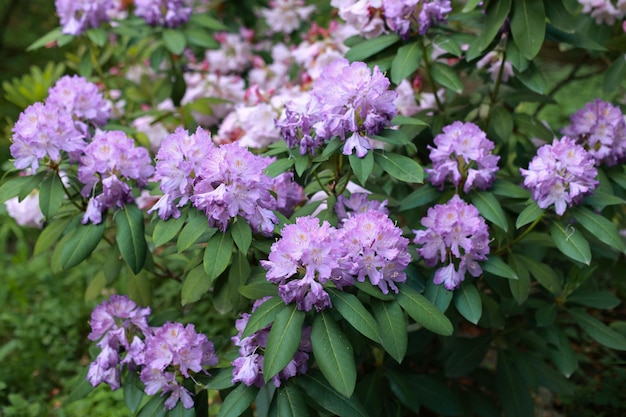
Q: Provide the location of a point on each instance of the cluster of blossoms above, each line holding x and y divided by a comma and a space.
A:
604, 11
76, 16
561, 174
287, 15
367, 245
223, 181
358, 203
111, 160
600, 128
462, 155
349, 101
455, 235
249, 366
160, 354
167, 13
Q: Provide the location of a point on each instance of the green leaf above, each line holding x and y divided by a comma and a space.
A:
238, 401
400, 167
155, 407
98, 36
545, 315
467, 302
393, 328
355, 313
174, 41
615, 74
290, 401
54, 35
20, 186
496, 266
180, 411
220, 379
602, 199
508, 189
193, 230
51, 234
543, 274
600, 227
496, 13
264, 315
562, 355
594, 299
242, 234
403, 390
490, 208
369, 289
130, 237
470, 5
283, 340
77, 245
51, 195
560, 16
531, 213
406, 61
257, 290
447, 77
195, 285
466, 355
370, 47
362, 167
217, 254
532, 78
434, 394
165, 230
520, 287
333, 354
438, 295
201, 37
95, 287
424, 195
528, 26
598, 331
570, 242
423, 311
279, 166
133, 393
513, 393
401, 120
206, 21
318, 389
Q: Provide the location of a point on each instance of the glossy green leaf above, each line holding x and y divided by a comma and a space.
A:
401, 120
372, 290
595, 299
264, 315
77, 245
133, 392
371, 47
520, 287
532, 78
242, 234
320, 391
424, 195
403, 390
599, 331
283, 340
467, 302
406, 61
290, 401
20, 186
174, 41
513, 393
615, 74
51, 195
195, 285
362, 167
399, 166
570, 242
196, 227
543, 273
279, 166
562, 354
423, 311
599, 226
206, 21
217, 254
490, 208
438, 295
180, 411
559, 15
130, 237
351, 309
219, 379
393, 328
501, 122
95, 287
447, 77
237, 401
496, 266
495, 15
258, 290
202, 38
531, 213
164, 231
155, 407
528, 26
333, 354
51, 234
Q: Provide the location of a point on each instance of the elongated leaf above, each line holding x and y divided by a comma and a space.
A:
595, 299
423, 311
371, 47
55, 35
279, 166
193, 230
532, 78
496, 13
560, 16
598, 331
283, 340
133, 394
514, 395
599, 226
406, 61
562, 355
570, 242
392, 325
466, 355
531, 213
174, 41
543, 274
434, 394
509, 189
369, 289
20, 186
130, 237
290, 402
238, 401
333, 354
401, 120
51, 195
467, 302
164, 231
438, 295
51, 234
528, 26
520, 288
400, 167
355, 313
80, 243
403, 391
195, 285
242, 234
217, 254
420, 197
496, 266
320, 391
180, 411
362, 167
490, 208
155, 407
447, 77
264, 315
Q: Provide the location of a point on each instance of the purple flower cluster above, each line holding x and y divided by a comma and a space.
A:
76, 16
162, 355
169, 13
348, 100
358, 203
600, 128
561, 173
250, 363
223, 181
462, 154
111, 160
402, 16
455, 234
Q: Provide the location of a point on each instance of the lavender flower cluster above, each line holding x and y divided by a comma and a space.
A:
162, 355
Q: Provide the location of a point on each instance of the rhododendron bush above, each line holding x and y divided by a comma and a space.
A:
363, 191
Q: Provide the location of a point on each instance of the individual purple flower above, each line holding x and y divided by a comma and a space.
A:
43, 132
168, 13
249, 366
372, 247
76, 16
455, 235
404, 16
600, 128
82, 99
561, 174
111, 160
287, 192
462, 155
358, 203
302, 261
